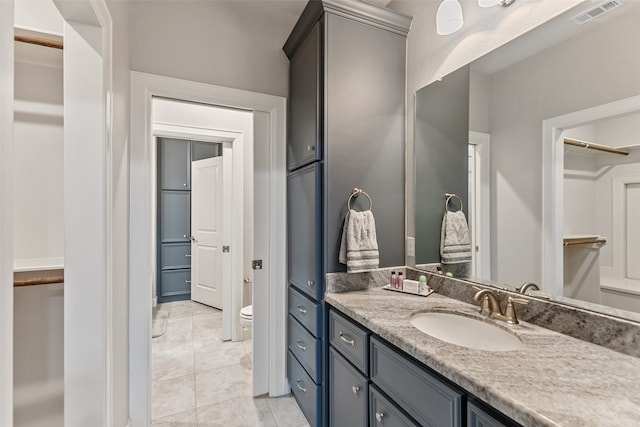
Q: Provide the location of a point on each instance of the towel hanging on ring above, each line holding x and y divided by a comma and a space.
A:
455, 245
359, 244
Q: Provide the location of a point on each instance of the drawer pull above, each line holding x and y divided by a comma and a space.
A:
311, 148
301, 309
347, 340
379, 417
310, 283
302, 389
301, 346
188, 255
187, 281
355, 389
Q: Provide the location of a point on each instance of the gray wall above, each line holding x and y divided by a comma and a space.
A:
212, 42
441, 145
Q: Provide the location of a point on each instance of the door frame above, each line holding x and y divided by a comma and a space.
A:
481, 216
272, 291
6, 212
553, 184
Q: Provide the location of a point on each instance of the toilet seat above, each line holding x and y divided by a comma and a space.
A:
247, 312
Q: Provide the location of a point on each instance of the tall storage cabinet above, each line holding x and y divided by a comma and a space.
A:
346, 130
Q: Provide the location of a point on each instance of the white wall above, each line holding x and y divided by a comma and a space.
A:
38, 15
38, 162
39, 356
523, 95
212, 42
430, 55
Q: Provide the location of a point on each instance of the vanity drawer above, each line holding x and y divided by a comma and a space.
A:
305, 391
382, 412
305, 311
348, 393
305, 347
351, 340
426, 398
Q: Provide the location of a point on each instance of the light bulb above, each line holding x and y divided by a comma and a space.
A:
449, 17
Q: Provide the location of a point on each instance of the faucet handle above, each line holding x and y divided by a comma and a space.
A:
510, 311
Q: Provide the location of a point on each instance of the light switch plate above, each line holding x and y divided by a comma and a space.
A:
411, 246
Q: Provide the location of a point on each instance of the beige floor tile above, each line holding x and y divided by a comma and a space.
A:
240, 412
286, 412
172, 396
202, 308
222, 355
182, 419
177, 309
222, 384
172, 363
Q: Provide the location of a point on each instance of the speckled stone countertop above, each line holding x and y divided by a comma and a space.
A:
554, 380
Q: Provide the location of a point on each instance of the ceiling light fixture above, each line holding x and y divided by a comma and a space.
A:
449, 17
490, 3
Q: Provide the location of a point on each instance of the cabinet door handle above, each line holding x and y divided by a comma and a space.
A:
355, 389
184, 185
310, 283
311, 148
302, 389
301, 309
187, 281
379, 417
188, 255
301, 345
347, 340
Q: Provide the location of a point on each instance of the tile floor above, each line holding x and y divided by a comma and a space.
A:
199, 380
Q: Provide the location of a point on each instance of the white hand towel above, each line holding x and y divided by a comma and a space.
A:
359, 245
455, 246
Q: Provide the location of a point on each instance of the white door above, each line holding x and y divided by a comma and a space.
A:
207, 231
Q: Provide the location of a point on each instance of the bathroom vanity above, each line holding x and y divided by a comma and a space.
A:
390, 373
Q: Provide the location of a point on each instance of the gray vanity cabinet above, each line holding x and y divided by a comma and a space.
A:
304, 102
304, 239
401, 391
479, 416
348, 393
346, 129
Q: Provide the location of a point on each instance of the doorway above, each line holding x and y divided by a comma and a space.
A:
269, 346
479, 199
553, 163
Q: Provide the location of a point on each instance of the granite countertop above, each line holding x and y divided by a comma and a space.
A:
554, 380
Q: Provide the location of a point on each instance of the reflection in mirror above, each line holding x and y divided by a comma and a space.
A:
560, 69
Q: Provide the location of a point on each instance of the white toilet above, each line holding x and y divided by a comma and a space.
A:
246, 317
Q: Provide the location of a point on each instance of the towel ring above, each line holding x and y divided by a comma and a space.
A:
355, 193
450, 196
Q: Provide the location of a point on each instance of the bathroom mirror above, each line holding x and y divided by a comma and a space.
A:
541, 210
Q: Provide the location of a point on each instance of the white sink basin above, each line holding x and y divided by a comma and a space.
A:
465, 331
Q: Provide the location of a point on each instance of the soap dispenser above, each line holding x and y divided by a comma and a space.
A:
400, 281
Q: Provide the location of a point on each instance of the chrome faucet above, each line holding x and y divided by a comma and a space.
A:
526, 286
491, 306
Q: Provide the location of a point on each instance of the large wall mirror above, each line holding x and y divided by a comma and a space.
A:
541, 141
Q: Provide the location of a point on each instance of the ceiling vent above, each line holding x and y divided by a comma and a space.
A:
597, 11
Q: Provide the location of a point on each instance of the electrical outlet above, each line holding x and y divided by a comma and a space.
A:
411, 246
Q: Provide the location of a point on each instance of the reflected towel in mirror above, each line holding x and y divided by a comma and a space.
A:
455, 246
